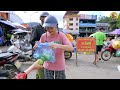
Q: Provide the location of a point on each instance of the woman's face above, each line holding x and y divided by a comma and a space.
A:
51, 30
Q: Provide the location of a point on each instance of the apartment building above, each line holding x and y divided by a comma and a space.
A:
80, 24
87, 25
104, 25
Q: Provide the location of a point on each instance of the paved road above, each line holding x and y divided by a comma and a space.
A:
86, 69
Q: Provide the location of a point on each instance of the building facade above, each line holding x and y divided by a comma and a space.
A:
71, 22
83, 25
104, 25
87, 24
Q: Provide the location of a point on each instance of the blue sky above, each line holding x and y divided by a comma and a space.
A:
34, 17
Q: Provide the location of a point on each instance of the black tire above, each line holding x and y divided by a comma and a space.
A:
106, 55
68, 55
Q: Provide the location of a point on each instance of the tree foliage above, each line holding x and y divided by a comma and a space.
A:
104, 19
113, 24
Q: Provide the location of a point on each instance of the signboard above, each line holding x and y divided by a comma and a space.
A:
114, 15
102, 24
85, 45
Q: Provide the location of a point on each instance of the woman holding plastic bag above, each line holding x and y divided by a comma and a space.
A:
60, 43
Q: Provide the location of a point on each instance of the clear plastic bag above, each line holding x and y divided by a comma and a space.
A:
44, 52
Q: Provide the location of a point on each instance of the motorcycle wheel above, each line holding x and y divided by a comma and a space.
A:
106, 55
68, 55
13, 71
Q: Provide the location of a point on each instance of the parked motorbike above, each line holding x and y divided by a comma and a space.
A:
21, 45
67, 55
108, 52
9, 65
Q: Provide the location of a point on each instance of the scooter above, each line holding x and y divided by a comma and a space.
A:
67, 55
22, 46
9, 65
24, 51
108, 52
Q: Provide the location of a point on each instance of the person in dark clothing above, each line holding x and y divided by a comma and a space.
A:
38, 30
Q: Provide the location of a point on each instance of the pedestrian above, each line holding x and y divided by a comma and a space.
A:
100, 38
38, 30
61, 43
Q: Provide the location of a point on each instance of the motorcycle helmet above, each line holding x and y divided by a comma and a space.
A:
44, 14
50, 21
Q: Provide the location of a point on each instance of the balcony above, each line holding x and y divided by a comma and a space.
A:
87, 24
87, 30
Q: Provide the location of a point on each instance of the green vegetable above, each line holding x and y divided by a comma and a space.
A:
41, 61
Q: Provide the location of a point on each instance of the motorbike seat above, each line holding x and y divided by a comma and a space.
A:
5, 55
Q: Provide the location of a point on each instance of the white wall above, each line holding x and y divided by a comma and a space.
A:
74, 23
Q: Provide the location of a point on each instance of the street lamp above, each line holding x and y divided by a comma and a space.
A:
31, 14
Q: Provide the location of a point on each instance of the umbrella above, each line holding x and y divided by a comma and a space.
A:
18, 25
20, 31
116, 31
8, 23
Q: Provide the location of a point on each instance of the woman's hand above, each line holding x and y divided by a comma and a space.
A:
54, 45
36, 45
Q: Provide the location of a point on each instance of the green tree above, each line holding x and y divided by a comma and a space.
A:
113, 24
118, 21
104, 19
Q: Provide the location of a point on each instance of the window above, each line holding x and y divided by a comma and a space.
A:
71, 24
76, 24
76, 19
71, 19
71, 28
76, 28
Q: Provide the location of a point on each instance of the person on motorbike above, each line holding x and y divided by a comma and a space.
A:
100, 38
61, 44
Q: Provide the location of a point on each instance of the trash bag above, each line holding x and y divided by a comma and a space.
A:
118, 53
44, 52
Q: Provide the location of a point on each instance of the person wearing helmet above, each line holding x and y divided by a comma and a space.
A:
38, 30
61, 44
